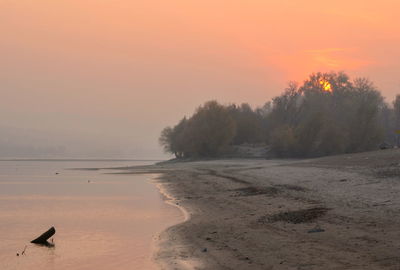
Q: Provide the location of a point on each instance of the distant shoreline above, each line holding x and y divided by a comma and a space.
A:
260, 214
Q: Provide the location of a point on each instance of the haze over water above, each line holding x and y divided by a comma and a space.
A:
103, 78
107, 223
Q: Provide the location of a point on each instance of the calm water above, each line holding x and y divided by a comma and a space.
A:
107, 223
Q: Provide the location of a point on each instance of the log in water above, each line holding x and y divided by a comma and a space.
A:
116, 214
42, 239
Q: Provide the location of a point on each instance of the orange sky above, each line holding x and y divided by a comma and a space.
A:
123, 69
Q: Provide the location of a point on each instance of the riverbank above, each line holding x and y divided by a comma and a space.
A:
338, 212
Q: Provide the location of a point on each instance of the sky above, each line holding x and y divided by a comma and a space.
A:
102, 78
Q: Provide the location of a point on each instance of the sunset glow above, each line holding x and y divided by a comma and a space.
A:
220, 100
73, 66
326, 86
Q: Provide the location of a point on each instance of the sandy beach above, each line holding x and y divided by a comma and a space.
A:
339, 212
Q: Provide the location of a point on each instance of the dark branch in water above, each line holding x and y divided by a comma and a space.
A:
42, 239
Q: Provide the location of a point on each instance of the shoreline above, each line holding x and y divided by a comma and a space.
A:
332, 212
162, 239
169, 199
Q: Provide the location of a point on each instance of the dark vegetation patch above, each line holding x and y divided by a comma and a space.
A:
391, 170
229, 177
247, 169
292, 187
295, 217
252, 191
371, 160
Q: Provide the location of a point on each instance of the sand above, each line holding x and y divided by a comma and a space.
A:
339, 212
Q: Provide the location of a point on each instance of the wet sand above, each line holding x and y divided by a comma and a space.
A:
339, 212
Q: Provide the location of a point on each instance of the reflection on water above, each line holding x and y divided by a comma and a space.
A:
103, 221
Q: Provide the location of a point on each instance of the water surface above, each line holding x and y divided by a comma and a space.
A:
103, 221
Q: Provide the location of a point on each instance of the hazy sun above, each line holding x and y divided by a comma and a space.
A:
325, 85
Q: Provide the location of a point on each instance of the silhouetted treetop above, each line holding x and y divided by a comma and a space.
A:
328, 114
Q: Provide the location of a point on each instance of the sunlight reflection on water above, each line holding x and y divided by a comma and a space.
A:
107, 223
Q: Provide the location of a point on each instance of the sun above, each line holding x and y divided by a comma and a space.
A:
326, 86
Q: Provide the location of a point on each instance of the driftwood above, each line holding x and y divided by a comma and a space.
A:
43, 238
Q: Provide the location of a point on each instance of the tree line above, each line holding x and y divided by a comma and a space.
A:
328, 114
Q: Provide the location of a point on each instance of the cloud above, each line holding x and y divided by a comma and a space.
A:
337, 58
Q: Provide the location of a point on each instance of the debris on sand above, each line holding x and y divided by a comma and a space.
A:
252, 191
387, 171
23, 252
316, 230
292, 187
295, 217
